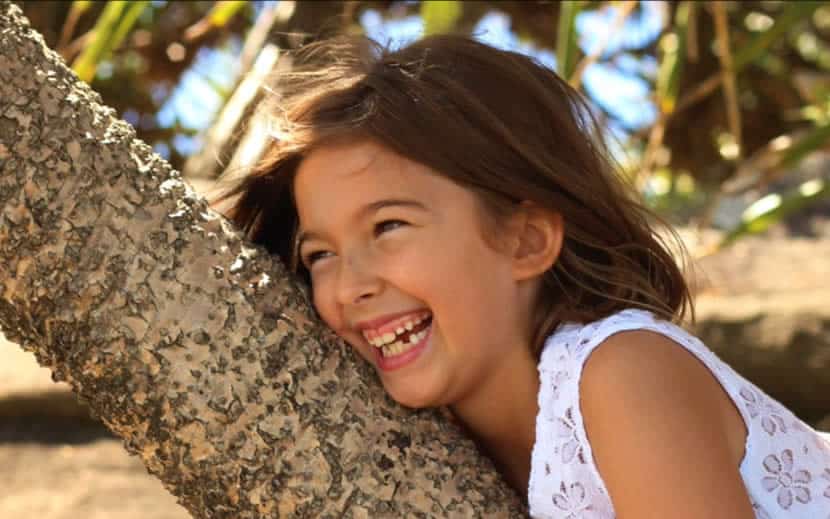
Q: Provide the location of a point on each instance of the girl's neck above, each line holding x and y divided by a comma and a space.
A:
501, 417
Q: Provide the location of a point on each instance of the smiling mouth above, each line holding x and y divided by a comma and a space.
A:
406, 336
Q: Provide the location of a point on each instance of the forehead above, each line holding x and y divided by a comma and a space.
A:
354, 171
342, 160
336, 182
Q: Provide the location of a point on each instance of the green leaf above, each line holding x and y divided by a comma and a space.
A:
806, 145
87, 62
567, 49
126, 23
774, 207
224, 11
80, 6
440, 16
673, 47
110, 29
793, 13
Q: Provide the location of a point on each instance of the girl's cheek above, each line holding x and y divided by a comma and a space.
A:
324, 304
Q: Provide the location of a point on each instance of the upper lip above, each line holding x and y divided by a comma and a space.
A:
379, 323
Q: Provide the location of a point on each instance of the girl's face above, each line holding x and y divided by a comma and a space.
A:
398, 259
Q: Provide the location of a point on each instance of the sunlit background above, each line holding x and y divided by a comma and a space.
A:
716, 111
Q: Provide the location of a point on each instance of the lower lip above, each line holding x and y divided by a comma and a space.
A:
407, 357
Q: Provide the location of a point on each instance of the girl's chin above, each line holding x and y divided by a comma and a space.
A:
409, 400
414, 393
368, 356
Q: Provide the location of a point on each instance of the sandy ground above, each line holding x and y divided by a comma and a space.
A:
93, 479
57, 464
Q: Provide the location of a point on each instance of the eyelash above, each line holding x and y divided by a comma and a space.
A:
311, 257
379, 228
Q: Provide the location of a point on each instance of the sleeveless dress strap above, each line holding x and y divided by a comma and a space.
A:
564, 480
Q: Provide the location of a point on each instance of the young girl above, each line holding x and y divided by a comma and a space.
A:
454, 211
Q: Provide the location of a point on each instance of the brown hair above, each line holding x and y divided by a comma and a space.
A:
491, 120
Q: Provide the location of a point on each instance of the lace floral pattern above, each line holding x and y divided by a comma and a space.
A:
758, 407
789, 484
826, 476
569, 445
760, 513
786, 468
573, 502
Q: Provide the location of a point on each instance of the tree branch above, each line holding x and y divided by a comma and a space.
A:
199, 350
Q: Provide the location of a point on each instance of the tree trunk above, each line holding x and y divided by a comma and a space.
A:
199, 350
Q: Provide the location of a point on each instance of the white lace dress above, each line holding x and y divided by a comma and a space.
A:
786, 467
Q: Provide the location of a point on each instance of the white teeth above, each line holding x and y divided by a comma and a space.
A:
393, 349
399, 347
386, 339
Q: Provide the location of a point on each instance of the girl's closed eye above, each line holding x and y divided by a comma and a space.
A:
385, 226
379, 229
310, 258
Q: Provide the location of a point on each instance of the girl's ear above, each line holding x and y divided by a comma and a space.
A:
538, 233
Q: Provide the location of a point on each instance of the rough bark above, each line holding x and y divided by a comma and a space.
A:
199, 350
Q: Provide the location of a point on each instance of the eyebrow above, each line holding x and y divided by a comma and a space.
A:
365, 211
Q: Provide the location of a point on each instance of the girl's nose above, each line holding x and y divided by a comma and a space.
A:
356, 283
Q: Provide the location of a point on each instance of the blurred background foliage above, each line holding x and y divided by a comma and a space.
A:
719, 111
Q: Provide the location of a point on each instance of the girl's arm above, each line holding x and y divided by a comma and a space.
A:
197, 349
666, 438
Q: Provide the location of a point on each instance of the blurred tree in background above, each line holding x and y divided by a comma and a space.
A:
720, 111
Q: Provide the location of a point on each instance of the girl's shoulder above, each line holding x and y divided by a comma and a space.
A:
571, 345
567, 350
578, 340
564, 472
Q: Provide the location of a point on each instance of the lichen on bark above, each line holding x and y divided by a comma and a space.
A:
199, 350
